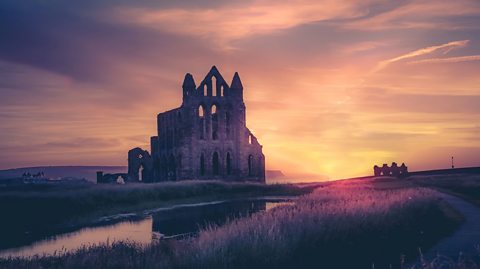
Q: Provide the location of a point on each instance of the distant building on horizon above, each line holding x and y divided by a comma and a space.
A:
394, 170
205, 138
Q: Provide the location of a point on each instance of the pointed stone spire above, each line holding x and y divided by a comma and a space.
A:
236, 82
188, 86
188, 82
214, 72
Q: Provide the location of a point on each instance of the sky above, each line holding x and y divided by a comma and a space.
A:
331, 87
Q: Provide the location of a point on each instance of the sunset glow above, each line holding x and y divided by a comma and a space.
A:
331, 87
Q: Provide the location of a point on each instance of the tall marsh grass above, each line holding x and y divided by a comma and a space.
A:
345, 225
333, 227
41, 208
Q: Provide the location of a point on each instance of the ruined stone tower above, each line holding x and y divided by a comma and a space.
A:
205, 138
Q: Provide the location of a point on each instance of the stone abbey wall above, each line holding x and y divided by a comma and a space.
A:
394, 170
205, 138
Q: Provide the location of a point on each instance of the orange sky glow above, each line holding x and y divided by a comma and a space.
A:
331, 87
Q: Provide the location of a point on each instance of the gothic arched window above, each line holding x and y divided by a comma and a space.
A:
214, 116
229, 164
201, 122
215, 164
214, 86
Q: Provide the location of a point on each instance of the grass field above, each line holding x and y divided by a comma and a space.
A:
43, 209
464, 185
352, 224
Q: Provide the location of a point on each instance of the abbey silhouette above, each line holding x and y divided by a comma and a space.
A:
205, 138
394, 170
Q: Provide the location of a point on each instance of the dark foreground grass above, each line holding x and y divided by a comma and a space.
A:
465, 185
340, 226
40, 210
443, 262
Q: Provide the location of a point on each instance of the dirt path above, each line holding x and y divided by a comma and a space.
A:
466, 237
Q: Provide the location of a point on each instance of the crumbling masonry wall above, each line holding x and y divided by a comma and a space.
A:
205, 138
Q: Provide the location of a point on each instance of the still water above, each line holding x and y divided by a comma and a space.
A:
172, 222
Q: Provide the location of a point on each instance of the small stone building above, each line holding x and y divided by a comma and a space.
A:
394, 170
205, 138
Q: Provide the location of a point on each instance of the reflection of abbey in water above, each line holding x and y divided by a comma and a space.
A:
206, 137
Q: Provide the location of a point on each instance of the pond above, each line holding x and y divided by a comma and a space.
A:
173, 222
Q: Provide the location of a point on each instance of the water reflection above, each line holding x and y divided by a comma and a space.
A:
137, 231
190, 220
161, 224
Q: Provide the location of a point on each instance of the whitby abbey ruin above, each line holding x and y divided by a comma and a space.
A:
205, 138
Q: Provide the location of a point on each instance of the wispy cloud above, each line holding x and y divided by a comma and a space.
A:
81, 82
459, 59
231, 22
447, 47
426, 14
364, 47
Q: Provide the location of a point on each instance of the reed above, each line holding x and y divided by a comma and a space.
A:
344, 225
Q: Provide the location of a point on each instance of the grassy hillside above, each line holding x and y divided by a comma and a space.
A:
465, 185
345, 225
